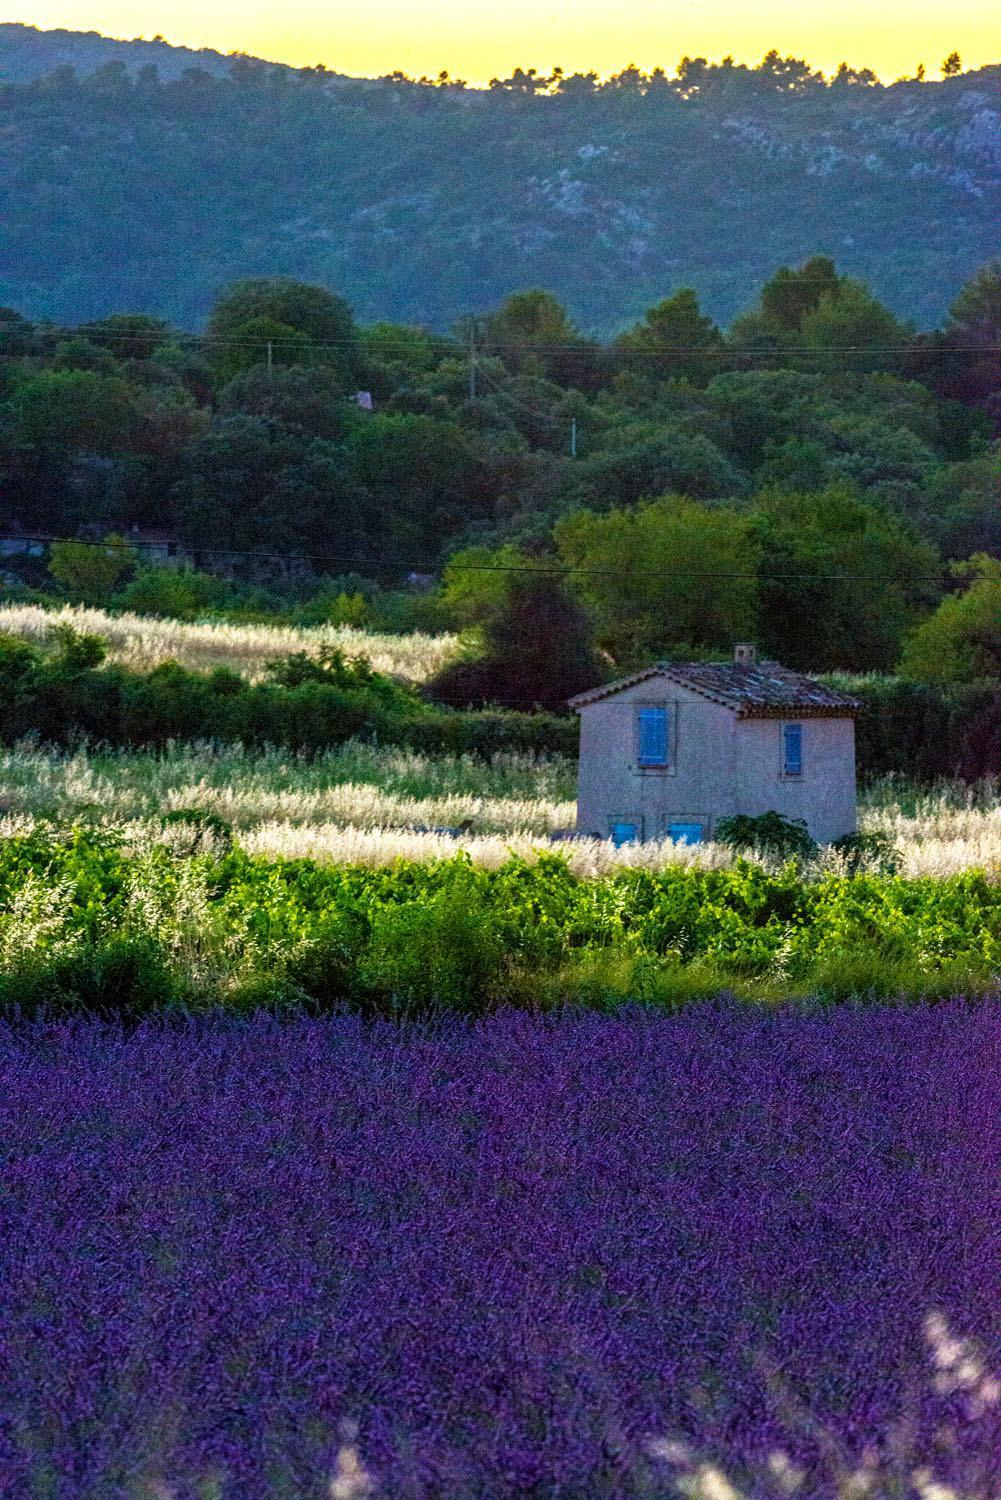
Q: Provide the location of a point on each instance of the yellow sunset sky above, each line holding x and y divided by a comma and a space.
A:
477, 40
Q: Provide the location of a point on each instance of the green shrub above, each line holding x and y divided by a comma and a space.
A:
868, 850
921, 730
322, 969
245, 931
444, 952
122, 976
770, 832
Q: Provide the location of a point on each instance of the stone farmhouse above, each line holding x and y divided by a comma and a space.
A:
667, 752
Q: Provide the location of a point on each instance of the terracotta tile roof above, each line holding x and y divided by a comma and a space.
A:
761, 690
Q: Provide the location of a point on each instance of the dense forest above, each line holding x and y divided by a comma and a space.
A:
425, 200
818, 463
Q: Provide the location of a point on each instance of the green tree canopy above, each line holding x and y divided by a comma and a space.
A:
251, 483
322, 319
75, 409
253, 341
666, 343
128, 335
90, 571
791, 294
309, 398
532, 332
425, 473
848, 322
840, 580
961, 641
974, 324
475, 581
662, 573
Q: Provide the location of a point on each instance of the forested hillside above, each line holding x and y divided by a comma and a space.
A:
26, 52
817, 462
130, 187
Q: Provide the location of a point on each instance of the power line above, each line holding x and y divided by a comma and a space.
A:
490, 347
383, 564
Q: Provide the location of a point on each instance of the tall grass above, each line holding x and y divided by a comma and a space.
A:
362, 803
140, 642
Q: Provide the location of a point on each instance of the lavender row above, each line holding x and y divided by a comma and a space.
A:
512, 1252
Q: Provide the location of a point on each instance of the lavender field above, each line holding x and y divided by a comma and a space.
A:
522, 1256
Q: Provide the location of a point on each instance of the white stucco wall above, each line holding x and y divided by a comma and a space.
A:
721, 765
823, 795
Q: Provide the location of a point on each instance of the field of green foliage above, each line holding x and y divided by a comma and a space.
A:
90, 918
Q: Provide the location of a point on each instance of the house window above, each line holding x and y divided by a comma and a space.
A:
625, 831
685, 833
792, 749
652, 748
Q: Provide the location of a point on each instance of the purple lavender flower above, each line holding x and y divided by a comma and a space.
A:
513, 1252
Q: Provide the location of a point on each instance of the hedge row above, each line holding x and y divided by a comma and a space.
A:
66, 695
925, 730
918, 730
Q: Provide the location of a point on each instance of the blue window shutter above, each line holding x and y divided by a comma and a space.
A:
624, 833
685, 833
653, 737
792, 749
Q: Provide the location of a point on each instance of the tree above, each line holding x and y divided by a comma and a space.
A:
952, 65
784, 301
974, 323
260, 342
789, 75
311, 399
249, 482
75, 409
961, 641
840, 580
790, 295
662, 574
323, 319
128, 335
668, 342
960, 507
532, 331
423, 473
538, 652
475, 581
653, 458
175, 593
90, 571
847, 77
852, 320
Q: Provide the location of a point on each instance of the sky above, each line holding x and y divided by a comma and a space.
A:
480, 39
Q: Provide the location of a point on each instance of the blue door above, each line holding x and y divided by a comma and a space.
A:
624, 833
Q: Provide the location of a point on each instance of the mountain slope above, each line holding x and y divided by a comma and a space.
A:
125, 189
26, 53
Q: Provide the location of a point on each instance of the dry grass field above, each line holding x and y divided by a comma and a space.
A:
363, 804
143, 641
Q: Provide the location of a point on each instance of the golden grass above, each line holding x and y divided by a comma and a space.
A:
358, 804
143, 641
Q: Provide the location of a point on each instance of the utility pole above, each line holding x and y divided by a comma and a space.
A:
472, 362
271, 363
573, 437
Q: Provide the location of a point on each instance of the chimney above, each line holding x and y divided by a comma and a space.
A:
745, 653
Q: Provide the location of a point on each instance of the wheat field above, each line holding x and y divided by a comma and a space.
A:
143, 641
366, 804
